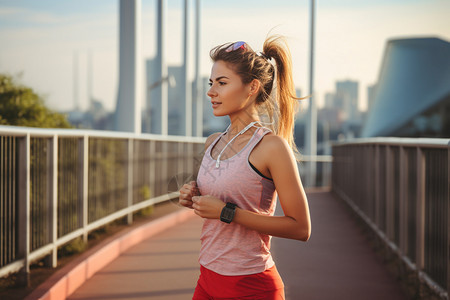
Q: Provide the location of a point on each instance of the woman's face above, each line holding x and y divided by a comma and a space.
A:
228, 94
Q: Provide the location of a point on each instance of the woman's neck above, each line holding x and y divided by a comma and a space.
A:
239, 123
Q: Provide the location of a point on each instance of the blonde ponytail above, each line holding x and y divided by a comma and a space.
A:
286, 104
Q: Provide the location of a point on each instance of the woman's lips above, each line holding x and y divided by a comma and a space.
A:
215, 104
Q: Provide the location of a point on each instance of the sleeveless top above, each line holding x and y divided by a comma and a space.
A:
232, 249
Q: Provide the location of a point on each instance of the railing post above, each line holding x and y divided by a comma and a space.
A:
448, 220
130, 185
83, 184
24, 208
152, 169
403, 230
420, 210
389, 194
181, 157
190, 159
377, 185
164, 166
52, 161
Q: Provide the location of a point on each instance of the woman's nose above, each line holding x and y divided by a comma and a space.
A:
211, 92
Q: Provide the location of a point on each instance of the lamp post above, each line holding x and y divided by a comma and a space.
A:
197, 96
161, 63
311, 125
187, 91
128, 108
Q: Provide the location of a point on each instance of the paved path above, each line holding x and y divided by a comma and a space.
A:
336, 263
164, 267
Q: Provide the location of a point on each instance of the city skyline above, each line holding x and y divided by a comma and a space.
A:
350, 40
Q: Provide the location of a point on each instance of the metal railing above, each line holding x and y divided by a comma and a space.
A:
400, 188
321, 170
58, 185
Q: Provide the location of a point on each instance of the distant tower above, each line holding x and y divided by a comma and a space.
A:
90, 80
76, 101
128, 108
347, 92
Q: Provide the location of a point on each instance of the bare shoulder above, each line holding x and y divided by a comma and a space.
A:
279, 158
275, 145
211, 139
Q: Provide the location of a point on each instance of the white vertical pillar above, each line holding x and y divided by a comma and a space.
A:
76, 103
311, 125
90, 80
197, 96
153, 169
52, 185
24, 207
128, 109
161, 65
83, 184
130, 183
187, 116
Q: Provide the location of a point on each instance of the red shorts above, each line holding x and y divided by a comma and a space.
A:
266, 285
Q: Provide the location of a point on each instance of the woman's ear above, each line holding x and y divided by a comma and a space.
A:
254, 86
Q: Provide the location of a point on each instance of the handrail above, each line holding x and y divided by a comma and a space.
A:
396, 141
69, 132
60, 184
400, 188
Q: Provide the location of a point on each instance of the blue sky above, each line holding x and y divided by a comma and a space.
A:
39, 38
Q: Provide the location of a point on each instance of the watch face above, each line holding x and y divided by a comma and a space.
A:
227, 214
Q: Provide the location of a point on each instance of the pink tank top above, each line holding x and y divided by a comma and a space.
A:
232, 249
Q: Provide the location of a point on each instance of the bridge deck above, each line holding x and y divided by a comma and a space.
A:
336, 263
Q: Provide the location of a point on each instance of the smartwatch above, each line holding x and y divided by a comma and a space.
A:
228, 212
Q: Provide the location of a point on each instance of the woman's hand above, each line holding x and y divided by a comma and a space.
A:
188, 191
208, 207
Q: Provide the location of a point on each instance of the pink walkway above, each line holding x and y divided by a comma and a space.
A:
337, 263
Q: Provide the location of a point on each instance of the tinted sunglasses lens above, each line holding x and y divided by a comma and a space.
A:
235, 46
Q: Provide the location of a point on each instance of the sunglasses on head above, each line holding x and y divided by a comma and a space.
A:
236, 46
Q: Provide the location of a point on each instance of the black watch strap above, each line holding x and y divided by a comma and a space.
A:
228, 212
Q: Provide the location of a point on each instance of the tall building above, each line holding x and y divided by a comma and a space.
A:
347, 98
371, 96
176, 106
329, 100
413, 91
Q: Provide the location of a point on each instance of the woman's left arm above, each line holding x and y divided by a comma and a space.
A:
296, 223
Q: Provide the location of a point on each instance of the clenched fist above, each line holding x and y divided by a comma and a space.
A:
188, 191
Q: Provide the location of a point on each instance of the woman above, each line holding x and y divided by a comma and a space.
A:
243, 170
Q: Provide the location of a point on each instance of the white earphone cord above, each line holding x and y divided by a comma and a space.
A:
240, 132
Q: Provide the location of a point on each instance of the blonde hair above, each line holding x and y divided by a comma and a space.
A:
277, 94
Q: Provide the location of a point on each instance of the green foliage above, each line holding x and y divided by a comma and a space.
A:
21, 106
73, 247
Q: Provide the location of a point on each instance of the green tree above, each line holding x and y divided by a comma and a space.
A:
21, 106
